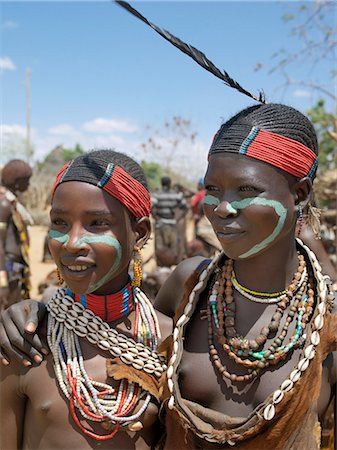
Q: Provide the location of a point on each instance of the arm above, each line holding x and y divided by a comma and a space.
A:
5, 213
12, 408
18, 339
171, 293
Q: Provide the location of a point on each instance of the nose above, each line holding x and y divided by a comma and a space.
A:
225, 209
75, 243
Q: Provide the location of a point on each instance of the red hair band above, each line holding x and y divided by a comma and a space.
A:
279, 151
119, 184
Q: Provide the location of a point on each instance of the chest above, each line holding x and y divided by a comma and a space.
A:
201, 382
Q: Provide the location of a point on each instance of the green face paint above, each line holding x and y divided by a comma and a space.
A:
279, 209
63, 238
211, 200
112, 242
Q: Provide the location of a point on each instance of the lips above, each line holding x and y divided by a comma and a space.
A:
229, 233
77, 268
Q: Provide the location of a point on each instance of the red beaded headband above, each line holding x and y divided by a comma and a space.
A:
279, 151
119, 184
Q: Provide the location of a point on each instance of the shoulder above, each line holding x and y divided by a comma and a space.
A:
171, 293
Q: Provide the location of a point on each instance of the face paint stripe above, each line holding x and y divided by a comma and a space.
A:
211, 200
280, 211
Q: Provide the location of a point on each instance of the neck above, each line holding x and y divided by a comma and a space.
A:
269, 271
108, 307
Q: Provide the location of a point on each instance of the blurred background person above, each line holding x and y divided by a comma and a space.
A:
14, 238
168, 209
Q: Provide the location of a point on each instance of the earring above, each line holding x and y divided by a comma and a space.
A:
137, 268
299, 220
59, 277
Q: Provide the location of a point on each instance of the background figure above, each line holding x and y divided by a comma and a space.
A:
168, 208
14, 239
205, 243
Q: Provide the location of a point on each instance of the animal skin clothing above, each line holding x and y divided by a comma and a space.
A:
295, 425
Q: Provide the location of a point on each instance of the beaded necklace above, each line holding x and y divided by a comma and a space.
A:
243, 351
323, 300
100, 402
108, 307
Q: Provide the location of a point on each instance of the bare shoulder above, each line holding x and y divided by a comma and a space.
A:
5, 207
171, 293
165, 325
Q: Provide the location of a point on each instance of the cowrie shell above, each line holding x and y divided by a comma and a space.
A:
295, 375
287, 385
203, 275
137, 426
187, 309
127, 358
173, 359
80, 331
319, 321
277, 396
309, 352
171, 402
175, 334
116, 351
269, 412
104, 345
78, 307
170, 385
198, 286
92, 338
175, 346
170, 372
191, 297
181, 320
315, 339
303, 364
322, 308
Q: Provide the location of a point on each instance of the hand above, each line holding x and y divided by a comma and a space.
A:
4, 294
18, 339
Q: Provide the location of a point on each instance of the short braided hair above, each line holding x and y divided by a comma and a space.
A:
276, 118
91, 167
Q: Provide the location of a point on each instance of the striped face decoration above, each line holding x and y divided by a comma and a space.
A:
235, 206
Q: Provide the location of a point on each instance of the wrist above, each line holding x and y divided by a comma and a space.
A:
3, 279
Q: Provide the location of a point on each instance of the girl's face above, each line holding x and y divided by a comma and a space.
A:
250, 204
92, 238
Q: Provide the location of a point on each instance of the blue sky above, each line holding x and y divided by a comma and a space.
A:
100, 77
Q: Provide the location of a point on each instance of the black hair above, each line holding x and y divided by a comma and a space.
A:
276, 118
91, 167
166, 181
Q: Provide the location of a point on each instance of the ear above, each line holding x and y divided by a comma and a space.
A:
142, 231
303, 192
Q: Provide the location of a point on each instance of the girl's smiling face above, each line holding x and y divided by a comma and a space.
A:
251, 205
92, 238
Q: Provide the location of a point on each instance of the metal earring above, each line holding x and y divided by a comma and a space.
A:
299, 220
59, 277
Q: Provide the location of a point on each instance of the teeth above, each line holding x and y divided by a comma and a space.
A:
77, 268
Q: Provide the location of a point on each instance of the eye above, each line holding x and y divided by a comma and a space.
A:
100, 223
211, 188
248, 188
58, 222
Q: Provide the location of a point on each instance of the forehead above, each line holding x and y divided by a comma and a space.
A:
79, 195
231, 166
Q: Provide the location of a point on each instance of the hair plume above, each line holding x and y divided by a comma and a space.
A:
195, 54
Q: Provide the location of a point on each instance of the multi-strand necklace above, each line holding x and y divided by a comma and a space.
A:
298, 298
69, 320
319, 289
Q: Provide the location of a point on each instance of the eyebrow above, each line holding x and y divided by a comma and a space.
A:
89, 212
